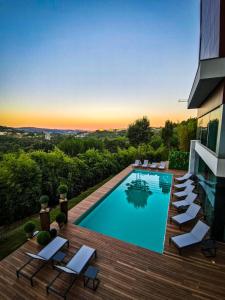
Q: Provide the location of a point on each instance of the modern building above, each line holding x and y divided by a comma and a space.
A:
207, 153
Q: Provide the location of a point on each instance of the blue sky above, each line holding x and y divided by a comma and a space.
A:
96, 64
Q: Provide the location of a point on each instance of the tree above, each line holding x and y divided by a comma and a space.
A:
139, 132
186, 131
167, 133
156, 141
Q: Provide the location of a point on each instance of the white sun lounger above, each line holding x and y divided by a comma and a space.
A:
74, 267
154, 165
137, 163
192, 238
183, 178
183, 185
189, 215
185, 192
44, 256
145, 164
162, 165
189, 199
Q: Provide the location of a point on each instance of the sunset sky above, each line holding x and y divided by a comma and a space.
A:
98, 63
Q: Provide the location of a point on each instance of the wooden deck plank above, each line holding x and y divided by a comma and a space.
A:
126, 271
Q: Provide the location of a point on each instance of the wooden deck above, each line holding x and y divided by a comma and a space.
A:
126, 271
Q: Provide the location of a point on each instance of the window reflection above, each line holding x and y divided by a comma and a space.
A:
208, 126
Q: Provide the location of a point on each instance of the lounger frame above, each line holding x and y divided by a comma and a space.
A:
20, 272
74, 277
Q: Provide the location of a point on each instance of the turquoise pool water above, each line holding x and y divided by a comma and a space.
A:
135, 211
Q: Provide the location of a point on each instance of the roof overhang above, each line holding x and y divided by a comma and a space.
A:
209, 74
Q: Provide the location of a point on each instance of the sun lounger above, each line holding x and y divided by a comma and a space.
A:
74, 267
162, 165
137, 163
189, 199
154, 165
185, 192
145, 164
188, 216
44, 256
183, 185
192, 238
183, 178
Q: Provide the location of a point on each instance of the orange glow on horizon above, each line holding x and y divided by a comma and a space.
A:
88, 122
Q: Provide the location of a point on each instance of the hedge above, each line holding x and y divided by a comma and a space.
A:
178, 160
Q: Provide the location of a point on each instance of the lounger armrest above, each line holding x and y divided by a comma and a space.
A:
35, 256
65, 269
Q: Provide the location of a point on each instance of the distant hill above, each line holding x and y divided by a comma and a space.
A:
48, 130
40, 130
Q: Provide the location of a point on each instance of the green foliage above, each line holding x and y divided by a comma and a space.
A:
112, 144
156, 141
62, 189
20, 187
168, 133
186, 131
60, 218
178, 160
139, 132
44, 199
43, 238
29, 227
14, 235
73, 146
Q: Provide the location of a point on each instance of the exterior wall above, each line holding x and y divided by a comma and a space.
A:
210, 29
215, 99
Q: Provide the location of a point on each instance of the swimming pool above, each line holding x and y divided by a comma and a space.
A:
135, 211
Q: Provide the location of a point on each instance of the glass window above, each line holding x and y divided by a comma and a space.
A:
215, 117
207, 131
207, 181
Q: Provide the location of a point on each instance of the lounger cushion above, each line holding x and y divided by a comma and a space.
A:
185, 177
184, 240
183, 185
65, 269
80, 259
52, 248
184, 193
35, 256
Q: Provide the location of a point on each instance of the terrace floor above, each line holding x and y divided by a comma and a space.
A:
126, 271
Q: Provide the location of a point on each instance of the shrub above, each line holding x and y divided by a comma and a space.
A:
53, 233
62, 189
43, 238
178, 160
29, 227
60, 218
44, 199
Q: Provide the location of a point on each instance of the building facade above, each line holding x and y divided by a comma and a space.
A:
207, 153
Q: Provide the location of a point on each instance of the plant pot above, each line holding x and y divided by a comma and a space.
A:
60, 225
44, 205
29, 235
62, 196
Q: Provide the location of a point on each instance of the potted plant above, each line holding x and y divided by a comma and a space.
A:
60, 219
53, 233
62, 190
43, 238
44, 201
29, 229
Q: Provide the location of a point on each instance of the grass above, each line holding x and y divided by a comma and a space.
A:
15, 236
